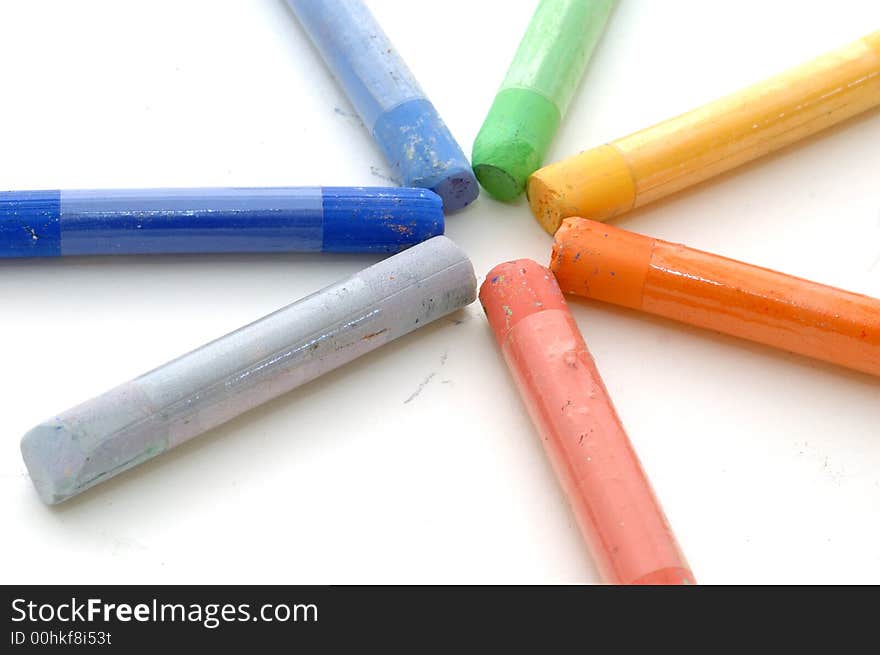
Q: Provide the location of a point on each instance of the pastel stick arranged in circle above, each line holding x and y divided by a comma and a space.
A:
188, 396
618, 515
536, 92
216, 220
394, 109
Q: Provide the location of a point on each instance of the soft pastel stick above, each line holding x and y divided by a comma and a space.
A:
404, 123
599, 261
142, 418
648, 165
536, 92
162, 221
619, 516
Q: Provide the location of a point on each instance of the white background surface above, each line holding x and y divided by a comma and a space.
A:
767, 464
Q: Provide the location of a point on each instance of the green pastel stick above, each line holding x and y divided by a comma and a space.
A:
536, 92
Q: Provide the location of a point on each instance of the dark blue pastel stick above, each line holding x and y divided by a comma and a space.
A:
216, 220
404, 123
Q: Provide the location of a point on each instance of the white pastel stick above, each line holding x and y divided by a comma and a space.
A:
261, 361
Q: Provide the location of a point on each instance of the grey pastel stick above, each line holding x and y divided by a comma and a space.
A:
190, 395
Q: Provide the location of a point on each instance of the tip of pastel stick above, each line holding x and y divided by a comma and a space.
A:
364, 219
457, 190
499, 182
513, 140
53, 461
423, 152
544, 203
517, 289
503, 166
574, 224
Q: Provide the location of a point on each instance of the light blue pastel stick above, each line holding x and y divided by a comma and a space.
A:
390, 102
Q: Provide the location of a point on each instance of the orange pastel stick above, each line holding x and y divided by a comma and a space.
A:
599, 261
618, 515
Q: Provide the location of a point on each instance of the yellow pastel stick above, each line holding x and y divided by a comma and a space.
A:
648, 165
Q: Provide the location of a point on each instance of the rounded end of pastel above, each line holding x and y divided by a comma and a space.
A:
596, 184
53, 461
544, 203
499, 181
441, 259
600, 261
368, 219
515, 290
457, 190
423, 153
513, 141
